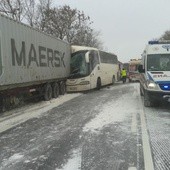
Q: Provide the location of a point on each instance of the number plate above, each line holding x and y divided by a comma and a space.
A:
73, 88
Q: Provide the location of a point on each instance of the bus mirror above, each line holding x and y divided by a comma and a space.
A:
140, 69
87, 57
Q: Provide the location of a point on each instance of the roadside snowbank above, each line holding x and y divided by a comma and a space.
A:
36, 110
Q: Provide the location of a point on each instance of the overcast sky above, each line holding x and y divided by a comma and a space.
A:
125, 25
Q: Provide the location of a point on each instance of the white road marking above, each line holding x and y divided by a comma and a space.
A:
134, 123
148, 161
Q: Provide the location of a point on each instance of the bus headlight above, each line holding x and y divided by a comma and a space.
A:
84, 83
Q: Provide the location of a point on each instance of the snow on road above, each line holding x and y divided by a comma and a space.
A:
74, 162
37, 110
110, 113
13, 159
114, 111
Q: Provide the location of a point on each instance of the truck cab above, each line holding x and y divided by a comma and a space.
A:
155, 73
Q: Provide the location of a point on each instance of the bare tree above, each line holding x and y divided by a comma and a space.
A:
63, 22
42, 15
13, 8
71, 25
30, 11
88, 37
166, 35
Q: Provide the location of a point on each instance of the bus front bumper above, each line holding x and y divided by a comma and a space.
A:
77, 88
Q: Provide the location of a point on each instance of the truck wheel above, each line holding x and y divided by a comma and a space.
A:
147, 101
62, 88
55, 90
48, 92
98, 86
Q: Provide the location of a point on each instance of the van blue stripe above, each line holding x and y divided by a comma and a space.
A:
150, 78
163, 82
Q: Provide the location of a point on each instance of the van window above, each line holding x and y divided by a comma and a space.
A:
158, 62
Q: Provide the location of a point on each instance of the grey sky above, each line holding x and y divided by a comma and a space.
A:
125, 25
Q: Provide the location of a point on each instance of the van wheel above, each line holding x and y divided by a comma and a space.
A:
98, 86
147, 101
141, 90
55, 90
47, 92
113, 80
62, 88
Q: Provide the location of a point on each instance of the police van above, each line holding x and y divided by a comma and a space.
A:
155, 73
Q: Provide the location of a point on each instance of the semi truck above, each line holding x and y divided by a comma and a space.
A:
31, 62
155, 73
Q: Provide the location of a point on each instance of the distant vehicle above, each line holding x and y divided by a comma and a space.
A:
155, 69
133, 70
30, 62
91, 68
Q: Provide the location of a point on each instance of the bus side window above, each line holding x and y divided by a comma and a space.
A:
94, 59
91, 59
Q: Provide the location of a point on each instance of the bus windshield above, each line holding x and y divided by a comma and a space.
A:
158, 62
79, 67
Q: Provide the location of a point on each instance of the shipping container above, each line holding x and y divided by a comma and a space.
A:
30, 60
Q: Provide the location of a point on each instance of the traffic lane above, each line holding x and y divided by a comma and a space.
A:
113, 137
47, 140
94, 131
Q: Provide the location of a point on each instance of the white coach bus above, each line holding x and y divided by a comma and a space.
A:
91, 68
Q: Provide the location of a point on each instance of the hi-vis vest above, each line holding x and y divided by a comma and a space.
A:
123, 73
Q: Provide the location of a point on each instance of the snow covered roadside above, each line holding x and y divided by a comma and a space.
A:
37, 110
108, 115
74, 163
114, 111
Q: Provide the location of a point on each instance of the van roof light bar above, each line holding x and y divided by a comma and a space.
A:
159, 42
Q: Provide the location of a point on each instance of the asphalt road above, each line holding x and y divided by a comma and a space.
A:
99, 130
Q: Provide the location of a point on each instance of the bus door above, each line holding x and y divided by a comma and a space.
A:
95, 69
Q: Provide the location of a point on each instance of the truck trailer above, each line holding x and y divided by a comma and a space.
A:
30, 62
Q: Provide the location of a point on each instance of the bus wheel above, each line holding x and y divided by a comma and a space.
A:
62, 88
98, 84
47, 92
113, 80
55, 90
